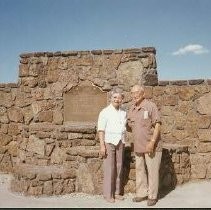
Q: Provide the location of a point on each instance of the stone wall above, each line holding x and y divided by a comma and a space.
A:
11, 120
50, 155
186, 118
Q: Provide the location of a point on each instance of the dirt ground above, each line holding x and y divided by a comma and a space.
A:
190, 195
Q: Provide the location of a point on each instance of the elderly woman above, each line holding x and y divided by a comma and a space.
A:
111, 129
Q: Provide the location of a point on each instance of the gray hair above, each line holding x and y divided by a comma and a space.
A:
117, 90
138, 88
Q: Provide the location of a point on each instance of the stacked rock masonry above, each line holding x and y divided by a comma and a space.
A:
48, 138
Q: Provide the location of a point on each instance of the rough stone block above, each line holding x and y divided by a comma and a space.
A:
48, 188
170, 100
204, 147
13, 148
89, 178
5, 139
23, 70
198, 171
57, 117
15, 115
36, 191
49, 149
163, 83
203, 121
69, 174
58, 187
196, 81
208, 175
88, 128
44, 177
19, 186
204, 134
36, 145
69, 187
179, 82
58, 156
203, 104
45, 116
6, 99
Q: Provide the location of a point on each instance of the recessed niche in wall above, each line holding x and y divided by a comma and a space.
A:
84, 103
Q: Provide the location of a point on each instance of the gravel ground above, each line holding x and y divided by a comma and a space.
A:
191, 195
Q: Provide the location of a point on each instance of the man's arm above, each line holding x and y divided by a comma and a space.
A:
150, 146
156, 132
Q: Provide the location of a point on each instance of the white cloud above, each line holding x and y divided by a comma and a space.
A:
191, 48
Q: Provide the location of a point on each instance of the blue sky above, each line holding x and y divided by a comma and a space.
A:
179, 30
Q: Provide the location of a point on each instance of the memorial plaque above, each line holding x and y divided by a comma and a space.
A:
84, 103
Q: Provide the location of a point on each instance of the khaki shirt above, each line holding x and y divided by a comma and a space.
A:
142, 121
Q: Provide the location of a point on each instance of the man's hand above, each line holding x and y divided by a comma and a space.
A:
102, 151
150, 146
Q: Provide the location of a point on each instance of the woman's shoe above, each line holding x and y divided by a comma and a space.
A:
110, 200
119, 197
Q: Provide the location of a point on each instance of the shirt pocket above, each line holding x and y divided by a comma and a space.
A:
145, 119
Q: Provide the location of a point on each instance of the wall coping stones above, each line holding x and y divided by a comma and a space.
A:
26, 55
184, 82
39, 54
149, 49
96, 52
118, 51
93, 52
132, 50
9, 85
163, 83
108, 52
178, 82
84, 52
68, 53
196, 81
58, 53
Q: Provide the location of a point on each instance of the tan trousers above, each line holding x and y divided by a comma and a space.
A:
147, 185
112, 167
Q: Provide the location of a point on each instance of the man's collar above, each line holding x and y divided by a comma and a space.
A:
141, 105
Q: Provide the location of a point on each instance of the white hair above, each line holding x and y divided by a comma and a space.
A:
117, 90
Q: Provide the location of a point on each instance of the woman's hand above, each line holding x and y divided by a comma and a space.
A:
102, 151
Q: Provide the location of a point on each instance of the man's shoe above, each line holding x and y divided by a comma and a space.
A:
151, 202
139, 199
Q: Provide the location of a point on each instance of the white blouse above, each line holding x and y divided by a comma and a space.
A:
113, 123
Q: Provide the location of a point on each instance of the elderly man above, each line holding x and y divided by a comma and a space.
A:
111, 128
144, 120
